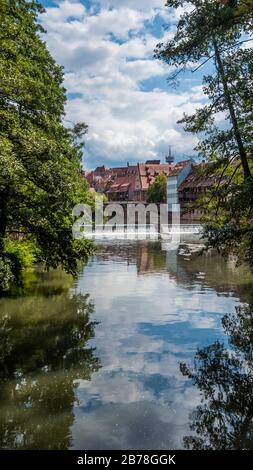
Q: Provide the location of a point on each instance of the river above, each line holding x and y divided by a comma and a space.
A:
95, 363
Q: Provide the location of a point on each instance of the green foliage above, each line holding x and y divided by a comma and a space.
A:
224, 378
40, 172
23, 251
157, 192
18, 256
244, 11
232, 231
6, 274
211, 31
44, 351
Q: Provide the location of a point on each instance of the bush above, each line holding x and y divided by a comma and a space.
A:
18, 256
6, 274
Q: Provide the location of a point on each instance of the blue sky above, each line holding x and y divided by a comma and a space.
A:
114, 83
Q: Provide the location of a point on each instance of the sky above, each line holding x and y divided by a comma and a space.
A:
115, 84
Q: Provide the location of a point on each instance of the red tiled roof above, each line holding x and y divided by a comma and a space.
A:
177, 167
100, 169
124, 170
153, 162
117, 179
117, 171
124, 178
148, 172
197, 180
121, 184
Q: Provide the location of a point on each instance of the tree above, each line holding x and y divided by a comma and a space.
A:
40, 168
208, 31
224, 377
229, 227
157, 192
44, 352
213, 31
243, 8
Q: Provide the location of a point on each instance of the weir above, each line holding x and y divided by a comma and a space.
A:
143, 231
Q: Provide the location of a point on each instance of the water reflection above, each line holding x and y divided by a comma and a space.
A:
154, 312
43, 353
224, 376
104, 373
187, 269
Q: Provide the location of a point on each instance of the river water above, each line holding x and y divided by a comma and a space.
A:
95, 363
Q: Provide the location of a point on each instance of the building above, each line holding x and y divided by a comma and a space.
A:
195, 185
121, 188
132, 182
178, 173
117, 183
147, 173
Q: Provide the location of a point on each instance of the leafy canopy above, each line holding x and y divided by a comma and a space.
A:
40, 167
157, 192
218, 33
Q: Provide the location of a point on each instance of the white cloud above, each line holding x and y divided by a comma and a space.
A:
66, 9
107, 55
140, 4
146, 326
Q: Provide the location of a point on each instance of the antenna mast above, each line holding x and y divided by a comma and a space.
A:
169, 159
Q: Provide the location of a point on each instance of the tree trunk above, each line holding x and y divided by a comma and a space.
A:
242, 152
